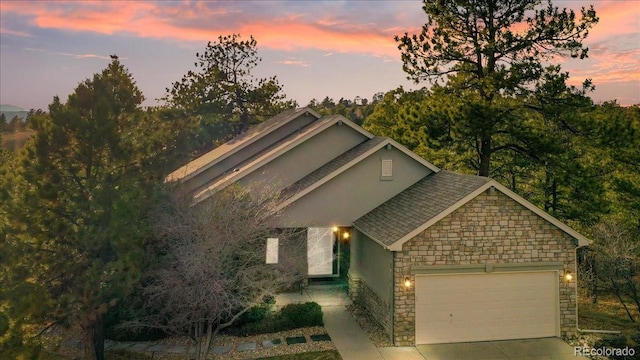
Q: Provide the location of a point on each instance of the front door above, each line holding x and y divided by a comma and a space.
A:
320, 251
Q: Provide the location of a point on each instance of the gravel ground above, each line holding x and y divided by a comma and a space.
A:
371, 327
222, 340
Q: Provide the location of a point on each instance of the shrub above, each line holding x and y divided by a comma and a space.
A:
257, 313
290, 317
303, 315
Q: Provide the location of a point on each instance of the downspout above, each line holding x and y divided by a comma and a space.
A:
575, 254
393, 298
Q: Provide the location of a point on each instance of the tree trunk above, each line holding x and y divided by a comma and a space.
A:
244, 114
93, 337
616, 291
485, 155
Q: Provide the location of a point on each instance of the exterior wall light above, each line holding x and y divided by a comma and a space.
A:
335, 229
568, 276
346, 235
407, 282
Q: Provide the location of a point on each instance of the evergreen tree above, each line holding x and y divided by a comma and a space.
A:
78, 207
485, 58
225, 93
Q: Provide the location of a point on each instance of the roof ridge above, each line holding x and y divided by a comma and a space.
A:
254, 133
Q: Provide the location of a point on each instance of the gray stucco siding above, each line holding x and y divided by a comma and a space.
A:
306, 157
375, 267
371, 279
354, 192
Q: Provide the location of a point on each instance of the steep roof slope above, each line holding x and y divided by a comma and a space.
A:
417, 205
234, 145
270, 153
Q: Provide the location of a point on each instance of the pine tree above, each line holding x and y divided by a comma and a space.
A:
80, 199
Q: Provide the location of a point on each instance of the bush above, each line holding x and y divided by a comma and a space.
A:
303, 315
254, 315
290, 317
257, 313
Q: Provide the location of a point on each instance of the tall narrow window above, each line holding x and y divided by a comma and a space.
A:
387, 168
272, 250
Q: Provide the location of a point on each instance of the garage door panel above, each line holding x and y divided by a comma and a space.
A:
481, 307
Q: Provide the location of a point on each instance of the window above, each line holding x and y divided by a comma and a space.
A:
272, 250
387, 168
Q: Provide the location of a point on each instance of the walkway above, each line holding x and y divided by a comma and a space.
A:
348, 337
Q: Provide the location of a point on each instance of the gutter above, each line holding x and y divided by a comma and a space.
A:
588, 331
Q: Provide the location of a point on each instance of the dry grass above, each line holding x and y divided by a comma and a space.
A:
14, 141
607, 314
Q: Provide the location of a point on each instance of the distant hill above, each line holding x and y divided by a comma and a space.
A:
10, 111
7, 107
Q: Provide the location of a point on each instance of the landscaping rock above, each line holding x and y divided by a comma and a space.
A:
271, 343
221, 350
296, 340
121, 346
139, 346
177, 349
246, 347
320, 337
157, 348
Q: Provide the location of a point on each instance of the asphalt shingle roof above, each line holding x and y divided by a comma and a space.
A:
237, 142
417, 204
331, 166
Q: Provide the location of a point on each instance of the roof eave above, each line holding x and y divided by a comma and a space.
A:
189, 175
206, 193
350, 164
397, 245
373, 238
581, 240
414, 156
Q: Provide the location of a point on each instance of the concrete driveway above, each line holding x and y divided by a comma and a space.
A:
529, 349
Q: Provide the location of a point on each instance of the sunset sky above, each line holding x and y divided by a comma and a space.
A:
315, 48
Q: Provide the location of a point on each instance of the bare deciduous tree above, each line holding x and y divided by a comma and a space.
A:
215, 268
616, 263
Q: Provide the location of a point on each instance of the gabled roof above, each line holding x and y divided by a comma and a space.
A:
275, 150
236, 144
341, 164
331, 166
416, 205
428, 201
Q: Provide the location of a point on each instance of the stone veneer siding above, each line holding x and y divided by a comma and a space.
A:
487, 229
379, 309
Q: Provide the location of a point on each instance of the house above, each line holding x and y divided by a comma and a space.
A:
437, 257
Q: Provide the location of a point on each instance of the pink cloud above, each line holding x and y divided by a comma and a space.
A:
202, 21
293, 62
77, 56
180, 21
5, 31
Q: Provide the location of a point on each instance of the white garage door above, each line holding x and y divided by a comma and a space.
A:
483, 307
